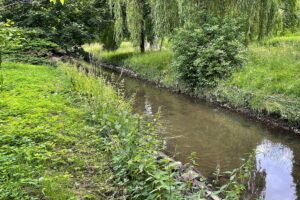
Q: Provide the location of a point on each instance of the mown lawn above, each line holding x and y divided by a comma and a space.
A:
48, 149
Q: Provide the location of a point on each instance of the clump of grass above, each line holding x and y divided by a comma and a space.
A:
287, 39
117, 57
153, 65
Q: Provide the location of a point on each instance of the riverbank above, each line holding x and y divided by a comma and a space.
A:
65, 135
275, 103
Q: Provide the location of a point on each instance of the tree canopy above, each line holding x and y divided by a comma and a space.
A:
260, 18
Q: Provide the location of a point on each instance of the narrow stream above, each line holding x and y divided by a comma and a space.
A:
222, 138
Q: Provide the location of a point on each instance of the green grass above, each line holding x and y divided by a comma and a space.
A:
152, 65
45, 138
286, 39
271, 70
68, 135
270, 81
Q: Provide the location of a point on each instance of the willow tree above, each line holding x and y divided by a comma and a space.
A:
165, 17
132, 16
260, 17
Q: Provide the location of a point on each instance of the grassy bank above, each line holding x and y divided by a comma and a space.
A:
65, 135
268, 83
152, 65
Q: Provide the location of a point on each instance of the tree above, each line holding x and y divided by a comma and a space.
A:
165, 17
132, 16
69, 25
260, 17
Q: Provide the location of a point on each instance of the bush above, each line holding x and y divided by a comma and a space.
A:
202, 55
35, 48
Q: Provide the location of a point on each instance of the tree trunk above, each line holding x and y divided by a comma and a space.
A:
142, 39
161, 43
262, 18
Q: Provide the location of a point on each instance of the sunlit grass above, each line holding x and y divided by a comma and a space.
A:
152, 65
286, 39
44, 134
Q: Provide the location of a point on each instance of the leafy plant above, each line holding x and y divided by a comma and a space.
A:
236, 184
133, 145
202, 55
36, 48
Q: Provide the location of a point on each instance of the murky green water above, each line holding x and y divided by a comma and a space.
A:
222, 139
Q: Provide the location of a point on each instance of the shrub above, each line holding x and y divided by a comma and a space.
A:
35, 48
202, 55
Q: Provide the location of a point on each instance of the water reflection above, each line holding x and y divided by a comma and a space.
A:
275, 160
148, 107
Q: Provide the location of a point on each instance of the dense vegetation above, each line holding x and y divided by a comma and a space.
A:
143, 20
67, 134
69, 25
58, 129
204, 55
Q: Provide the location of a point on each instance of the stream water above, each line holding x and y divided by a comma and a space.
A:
222, 139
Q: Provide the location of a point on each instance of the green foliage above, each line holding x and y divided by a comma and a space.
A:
260, 18
61, 1
69, 25
153, 65
56, 127
237, 180
133, 145
9, 37
35, 49
204, 55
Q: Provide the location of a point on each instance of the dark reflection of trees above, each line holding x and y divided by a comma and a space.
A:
255, 186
